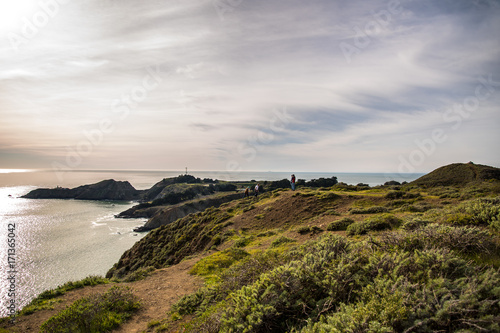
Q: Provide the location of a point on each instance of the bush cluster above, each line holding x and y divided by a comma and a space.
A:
337, 285
375, 223
341, 224
463, 240
485, 211
369, 210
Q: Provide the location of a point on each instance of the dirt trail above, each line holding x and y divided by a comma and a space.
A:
156, 293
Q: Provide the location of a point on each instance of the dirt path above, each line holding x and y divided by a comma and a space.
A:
159, 292
156, 293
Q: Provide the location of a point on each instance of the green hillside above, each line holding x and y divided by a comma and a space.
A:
458, 174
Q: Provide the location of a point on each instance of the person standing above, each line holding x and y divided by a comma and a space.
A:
247, 192
292, 182
257, 189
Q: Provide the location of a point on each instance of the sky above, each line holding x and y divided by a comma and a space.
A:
254, 85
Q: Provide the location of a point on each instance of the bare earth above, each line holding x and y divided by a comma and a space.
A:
156, 292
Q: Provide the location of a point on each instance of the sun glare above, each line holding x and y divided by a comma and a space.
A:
13, 170
12, 13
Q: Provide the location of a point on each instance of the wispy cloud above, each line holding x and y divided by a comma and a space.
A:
223, 78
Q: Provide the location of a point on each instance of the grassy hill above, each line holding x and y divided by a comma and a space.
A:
341, 258
458, 174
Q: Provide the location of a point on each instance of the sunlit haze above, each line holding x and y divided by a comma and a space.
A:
319, 85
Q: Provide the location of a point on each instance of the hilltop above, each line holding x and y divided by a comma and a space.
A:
332, 258
458, 174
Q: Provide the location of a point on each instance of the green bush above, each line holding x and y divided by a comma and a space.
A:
463, 240
369, 210
328, 196
414, 222
241, 273
243, 241
45, 299
485, 211
305, 229
336, 285
341, 224
376, 223
139, 274
309, 229
281, 240
218, 261
96, 313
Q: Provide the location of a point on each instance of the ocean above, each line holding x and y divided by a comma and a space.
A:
46, 243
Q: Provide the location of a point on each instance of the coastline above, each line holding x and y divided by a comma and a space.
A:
142, 179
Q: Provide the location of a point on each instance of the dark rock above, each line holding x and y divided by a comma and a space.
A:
105, 190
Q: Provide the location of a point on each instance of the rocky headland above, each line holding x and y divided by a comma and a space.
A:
105, 190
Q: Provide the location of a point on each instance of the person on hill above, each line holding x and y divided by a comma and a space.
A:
247, 192
292, 182
257, 189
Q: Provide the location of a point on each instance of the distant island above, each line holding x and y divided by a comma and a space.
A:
422, 256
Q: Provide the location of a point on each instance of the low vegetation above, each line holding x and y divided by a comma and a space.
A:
96, 313
47, 299
336, 284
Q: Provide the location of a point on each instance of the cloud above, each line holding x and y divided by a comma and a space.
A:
221, 76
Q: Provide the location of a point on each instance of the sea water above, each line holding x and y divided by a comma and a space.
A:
46, 243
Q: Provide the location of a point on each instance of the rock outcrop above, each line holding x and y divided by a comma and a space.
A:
105, 190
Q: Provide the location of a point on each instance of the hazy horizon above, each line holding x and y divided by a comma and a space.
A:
395, 86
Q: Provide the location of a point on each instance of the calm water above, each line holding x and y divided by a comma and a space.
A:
56, 241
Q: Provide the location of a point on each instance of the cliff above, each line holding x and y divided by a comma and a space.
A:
105, 190
167, 215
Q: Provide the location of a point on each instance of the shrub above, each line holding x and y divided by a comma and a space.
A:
376, 223
369, 210
394, 195
479, 212
243, 241
328, 196
45, 299
281, 240
463, 240
341, 224
96, 313
139, 274
413, 223
333, 284
309, 229
218, 261
331, 212
305, 229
